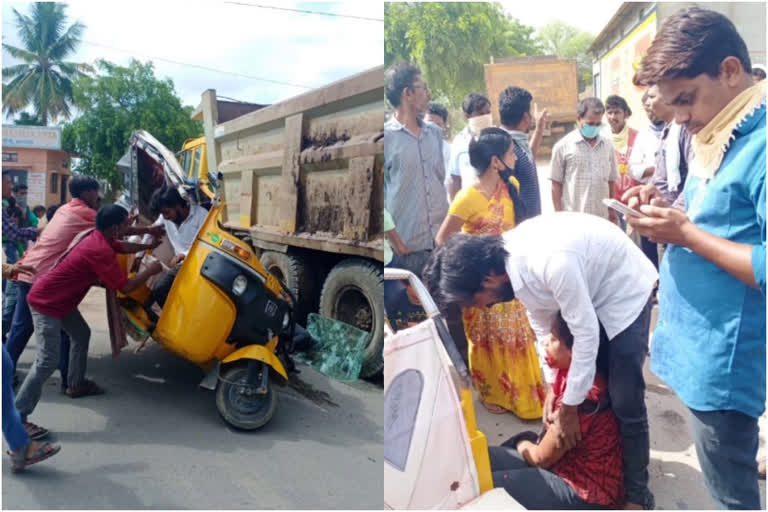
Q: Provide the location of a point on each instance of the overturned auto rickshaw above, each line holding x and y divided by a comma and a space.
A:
435, 457
225, 311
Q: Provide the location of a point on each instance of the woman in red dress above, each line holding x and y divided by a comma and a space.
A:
539, 474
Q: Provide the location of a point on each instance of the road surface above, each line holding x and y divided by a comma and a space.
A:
155, 440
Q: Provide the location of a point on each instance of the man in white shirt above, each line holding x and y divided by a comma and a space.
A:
182, 222
589, 270
459, 172
438, 114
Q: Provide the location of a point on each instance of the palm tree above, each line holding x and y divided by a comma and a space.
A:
44, 79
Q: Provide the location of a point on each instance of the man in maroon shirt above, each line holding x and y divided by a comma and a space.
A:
55, 296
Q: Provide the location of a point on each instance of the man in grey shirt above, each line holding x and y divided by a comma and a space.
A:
414, 170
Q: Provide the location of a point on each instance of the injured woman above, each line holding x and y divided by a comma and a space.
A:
540, 472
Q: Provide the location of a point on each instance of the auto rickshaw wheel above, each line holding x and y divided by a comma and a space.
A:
239, 404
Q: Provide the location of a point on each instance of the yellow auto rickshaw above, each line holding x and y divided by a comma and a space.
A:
225, 311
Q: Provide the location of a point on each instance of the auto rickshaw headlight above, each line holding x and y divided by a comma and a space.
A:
239, 285
286, 320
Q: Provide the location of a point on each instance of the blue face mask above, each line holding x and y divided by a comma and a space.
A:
590, 131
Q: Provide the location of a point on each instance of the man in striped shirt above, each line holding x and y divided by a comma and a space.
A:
414, 170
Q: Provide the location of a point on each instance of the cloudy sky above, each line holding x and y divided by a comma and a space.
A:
536, 14
294, 48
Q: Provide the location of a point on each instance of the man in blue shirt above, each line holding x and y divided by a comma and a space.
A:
517, 119
710, 340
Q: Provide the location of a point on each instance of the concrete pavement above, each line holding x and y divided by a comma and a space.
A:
155, 440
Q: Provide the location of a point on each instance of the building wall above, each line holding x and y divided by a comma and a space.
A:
748, 17
630, 36
636, 30
40, 165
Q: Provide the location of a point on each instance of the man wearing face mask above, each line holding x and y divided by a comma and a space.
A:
589, 270
477, 111
517, 120
583, 168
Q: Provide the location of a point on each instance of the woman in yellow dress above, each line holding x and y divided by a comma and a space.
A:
502, 353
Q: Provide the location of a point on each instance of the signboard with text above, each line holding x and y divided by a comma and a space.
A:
36, 192
35, 137
617, 68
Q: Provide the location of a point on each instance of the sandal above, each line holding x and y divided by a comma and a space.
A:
88, 388
21, 458
493, 408
35, 432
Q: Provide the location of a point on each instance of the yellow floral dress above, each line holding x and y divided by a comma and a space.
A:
502, 353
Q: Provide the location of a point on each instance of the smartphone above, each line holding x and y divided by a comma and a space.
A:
622, 208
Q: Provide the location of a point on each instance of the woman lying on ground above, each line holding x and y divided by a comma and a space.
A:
540, 473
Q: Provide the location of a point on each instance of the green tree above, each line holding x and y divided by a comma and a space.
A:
26, 119
568, 42
44, 79
115, 103
452, 41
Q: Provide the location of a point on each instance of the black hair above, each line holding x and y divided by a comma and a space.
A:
561, 329
11, 202
474, 103
15, 211
38, 208
514, 102
109, 216
18, 188
496, 142
564, 334
455, 272
82, 184
436, 109
398, 78
617, 102
691, 42
166, 197
51, 211
758, 73
588, 104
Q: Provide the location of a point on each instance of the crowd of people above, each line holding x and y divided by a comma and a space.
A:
556, 307
77, 248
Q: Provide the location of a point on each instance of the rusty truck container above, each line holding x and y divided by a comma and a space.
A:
303, 180
553, 83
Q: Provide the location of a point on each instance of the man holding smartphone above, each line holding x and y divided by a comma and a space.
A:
709, 344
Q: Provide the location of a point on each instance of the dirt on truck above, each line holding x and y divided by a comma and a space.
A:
303, 180
553, 83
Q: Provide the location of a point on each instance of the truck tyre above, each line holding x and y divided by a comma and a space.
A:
353, 293
238, 409
292, 270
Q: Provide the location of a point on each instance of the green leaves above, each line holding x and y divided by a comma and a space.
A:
452, 41
116, 102
45, 80
568, 42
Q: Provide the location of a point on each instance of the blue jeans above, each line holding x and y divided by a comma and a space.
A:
11, 256
9, 305
13, 429
626, 386
726, 446
534, 488
21, 330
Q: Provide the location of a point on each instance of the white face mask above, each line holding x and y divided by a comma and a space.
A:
479, 123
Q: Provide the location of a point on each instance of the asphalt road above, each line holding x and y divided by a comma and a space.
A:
155, 440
